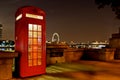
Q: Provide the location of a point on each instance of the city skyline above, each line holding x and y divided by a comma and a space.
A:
73, 20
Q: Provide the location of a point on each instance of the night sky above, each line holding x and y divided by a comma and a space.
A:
73, 20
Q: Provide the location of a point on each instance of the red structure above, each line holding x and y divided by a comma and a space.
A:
30, 41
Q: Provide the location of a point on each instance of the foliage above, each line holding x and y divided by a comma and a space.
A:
115, 5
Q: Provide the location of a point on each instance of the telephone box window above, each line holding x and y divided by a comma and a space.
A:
34, 44
39, 28
34, 16
35, 27
19, 17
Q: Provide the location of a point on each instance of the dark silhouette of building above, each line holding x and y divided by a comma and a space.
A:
114, 42
1, 28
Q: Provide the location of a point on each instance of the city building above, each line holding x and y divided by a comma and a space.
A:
7, 45
1, 29
93, 44
114, 42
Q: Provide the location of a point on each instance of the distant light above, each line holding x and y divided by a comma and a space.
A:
6, 46
34, 16
19, 17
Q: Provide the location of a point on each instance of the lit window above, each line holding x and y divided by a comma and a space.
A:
34, 16
30, 41
30, 33
39, 61
39, 40
30, 56
34, 44
35, 27
39, 35
19, 17
39, 28
30, 26
35, 34
34, 40
35, 62
35, 55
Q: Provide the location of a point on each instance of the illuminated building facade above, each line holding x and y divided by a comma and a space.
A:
30, 41
7, 45
92, 45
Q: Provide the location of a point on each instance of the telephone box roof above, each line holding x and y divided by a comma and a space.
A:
29, 9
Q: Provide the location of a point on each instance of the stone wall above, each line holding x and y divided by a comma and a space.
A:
6, 68
6, 63
90, 54
55, 55
54, 60
114, 42
105, 54
72, 54
117, 53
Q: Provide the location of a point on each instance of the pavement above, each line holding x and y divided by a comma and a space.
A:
80, 70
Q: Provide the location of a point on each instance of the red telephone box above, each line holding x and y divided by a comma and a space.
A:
30, 41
